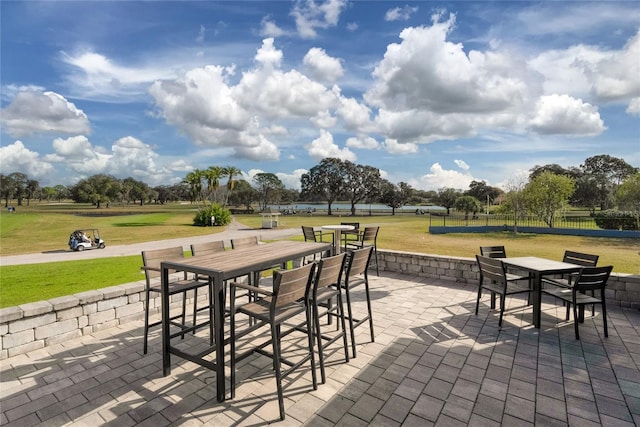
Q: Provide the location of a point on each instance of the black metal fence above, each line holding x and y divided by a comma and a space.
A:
460, 220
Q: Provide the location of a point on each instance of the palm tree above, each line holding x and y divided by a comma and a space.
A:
231, 172
194, 181
213, 175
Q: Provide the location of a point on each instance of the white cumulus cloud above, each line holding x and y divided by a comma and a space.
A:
34, 111
439, 178
323, 147
400, 13
562, 114
362, 141
321, 66
18, 158
128, 157
394, 147
311, 15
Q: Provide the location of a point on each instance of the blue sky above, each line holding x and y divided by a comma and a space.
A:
435, 94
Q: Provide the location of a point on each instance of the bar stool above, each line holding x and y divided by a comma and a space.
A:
357, 264
326, 286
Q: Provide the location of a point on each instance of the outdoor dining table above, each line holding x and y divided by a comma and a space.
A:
337, 230
539, 267
219, 267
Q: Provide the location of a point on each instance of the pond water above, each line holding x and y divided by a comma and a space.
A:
360, 207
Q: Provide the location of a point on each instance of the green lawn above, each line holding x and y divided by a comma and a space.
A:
40, 228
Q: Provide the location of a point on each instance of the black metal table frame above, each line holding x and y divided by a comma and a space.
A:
203, 266
539, 267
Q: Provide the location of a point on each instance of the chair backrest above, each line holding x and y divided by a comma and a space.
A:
206, 248
152, 259
291, 285
370, 234
244, 242
329, 271
592, 278
309, 234
358, 261
493, 251
586, 260
491, 269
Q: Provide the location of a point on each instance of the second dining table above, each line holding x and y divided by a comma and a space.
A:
539, 267
219, 267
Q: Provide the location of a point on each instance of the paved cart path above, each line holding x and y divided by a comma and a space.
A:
231, 231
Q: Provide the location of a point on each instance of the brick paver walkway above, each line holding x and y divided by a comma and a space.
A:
434, 362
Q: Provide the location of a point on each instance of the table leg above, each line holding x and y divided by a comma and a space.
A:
537, 299
218, 314
166, 341
337, 242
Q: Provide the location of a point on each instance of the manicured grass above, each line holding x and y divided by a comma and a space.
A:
37, 282
38, 229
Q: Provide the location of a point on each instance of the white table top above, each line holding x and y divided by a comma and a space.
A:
338, 227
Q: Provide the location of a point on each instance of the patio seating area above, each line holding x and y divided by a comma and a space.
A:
433, 362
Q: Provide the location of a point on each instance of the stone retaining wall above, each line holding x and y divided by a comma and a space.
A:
40, 324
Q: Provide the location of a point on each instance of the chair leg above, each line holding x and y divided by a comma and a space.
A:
232, 344
478, 299
344, 328
212, 314
366, 287
195, 309
184, 312
316, 321
375, 256
604, 315
501, 310
350, 316
576, 320
146, 323
275, 342
312, 358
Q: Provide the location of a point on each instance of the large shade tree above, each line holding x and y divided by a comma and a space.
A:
7, 188
602, 175
395, 196
447, 197
97, 189
243, 194
324, 182
362, 183
268, 186
483, 192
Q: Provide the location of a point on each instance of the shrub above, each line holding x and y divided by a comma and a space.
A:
616, 220
221, 215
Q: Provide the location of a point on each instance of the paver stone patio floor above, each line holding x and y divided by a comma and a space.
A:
433, 362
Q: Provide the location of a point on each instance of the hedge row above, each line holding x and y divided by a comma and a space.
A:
616, 220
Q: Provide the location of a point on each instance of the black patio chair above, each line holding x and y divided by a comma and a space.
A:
590, 279
277, 309
493, 277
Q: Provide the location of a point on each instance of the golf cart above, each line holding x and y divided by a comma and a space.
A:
88, 238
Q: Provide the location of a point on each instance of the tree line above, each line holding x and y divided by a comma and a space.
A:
601, 182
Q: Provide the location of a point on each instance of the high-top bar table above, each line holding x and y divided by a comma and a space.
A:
539, 267
219, 267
